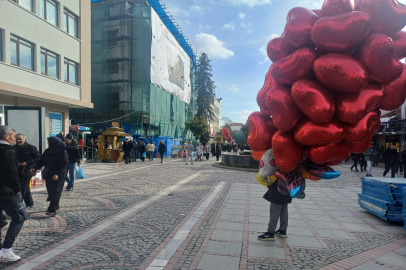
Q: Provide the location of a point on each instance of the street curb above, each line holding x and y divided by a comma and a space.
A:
219, 165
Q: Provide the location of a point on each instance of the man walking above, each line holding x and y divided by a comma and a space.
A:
71, 147
136, 150
390, 156
10, 197
189, 149
28, 156
368, 158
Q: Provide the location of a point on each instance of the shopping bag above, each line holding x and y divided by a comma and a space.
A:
79, 174
144, 154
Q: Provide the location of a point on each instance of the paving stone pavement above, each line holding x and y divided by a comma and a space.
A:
171, 216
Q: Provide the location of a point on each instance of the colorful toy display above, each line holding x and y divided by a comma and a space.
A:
332, 70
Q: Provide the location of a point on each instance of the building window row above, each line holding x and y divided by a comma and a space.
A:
22, 55
49, 12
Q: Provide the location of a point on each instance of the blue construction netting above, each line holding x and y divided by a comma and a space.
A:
156, 5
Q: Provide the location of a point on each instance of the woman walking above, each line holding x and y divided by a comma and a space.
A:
55, 160
150, 150
207, 149
162, 150
218, 151
142, 151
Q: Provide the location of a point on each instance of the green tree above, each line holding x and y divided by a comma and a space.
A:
245, 128
219, 138
198, 126
205, 88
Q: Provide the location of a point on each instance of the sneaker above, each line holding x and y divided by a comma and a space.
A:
67, 187
70, 189
266, 237
50, 214
281, 233
9, 257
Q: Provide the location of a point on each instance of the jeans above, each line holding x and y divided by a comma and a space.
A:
276, 212
191, 157
207, 156
70, 177
16, 210
369, 167
391, 167
136, 154
151, 155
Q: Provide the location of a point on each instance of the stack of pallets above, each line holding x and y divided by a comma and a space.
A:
383, 197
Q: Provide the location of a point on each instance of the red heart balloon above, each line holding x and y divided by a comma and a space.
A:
352, 107
296, 66
399, 44
388, 16
284, 112
328, 153
268, 84
361, 147
313, 100
376, 53
279, 48
395, 93
287, 151
336, 7
317, 12
261, 131
340, 72
341, 33
312, 133
298, 25
370, 124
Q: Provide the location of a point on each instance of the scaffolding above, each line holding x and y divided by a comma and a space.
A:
121, 64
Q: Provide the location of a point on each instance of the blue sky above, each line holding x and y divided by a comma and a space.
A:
235, 33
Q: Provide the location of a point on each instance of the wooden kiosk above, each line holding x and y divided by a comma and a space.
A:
110, 144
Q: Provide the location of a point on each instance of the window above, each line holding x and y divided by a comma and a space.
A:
71, 71
49, 11
27, 4
49, 63
70, 23
21, 53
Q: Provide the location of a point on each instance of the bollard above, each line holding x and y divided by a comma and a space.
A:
35, 182
31, 183
43, 181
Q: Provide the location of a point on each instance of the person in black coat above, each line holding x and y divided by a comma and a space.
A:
217, 150
72, 148
355, 158
213, 150
55, 160
390, 156
142, 151
162, 150
127, 148
27, 155
136, 150
278, 210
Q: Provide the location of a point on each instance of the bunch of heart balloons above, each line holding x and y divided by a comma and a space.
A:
333, 70
226, 134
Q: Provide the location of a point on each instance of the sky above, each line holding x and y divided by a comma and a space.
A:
235, 33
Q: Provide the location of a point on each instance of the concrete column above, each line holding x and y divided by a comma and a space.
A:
62, 67
37, 58
37, 7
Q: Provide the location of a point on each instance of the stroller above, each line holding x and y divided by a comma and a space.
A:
199, 155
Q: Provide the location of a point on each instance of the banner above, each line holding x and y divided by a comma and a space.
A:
170, 64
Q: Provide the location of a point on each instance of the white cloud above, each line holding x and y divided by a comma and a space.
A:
241, 15
197, 9
238, 116
234, 89
204, 27
250, 3
230, 26
212, 46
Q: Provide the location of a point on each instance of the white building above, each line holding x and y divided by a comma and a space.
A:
215, 123
44, 63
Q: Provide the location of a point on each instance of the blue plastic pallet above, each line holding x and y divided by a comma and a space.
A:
380, 181
397, 192
375, 210
383, 192
384, 197
381, 203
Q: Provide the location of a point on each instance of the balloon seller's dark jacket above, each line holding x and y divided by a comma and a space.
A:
29, 154
127, 147
390, 155
9, 182
73, 152
162, 148
142, 149
273, 196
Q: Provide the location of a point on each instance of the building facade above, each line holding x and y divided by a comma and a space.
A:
134, 81
45, 59
215, 125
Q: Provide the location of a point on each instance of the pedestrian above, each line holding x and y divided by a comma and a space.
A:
27, 155
136, 150
213, 150
362, 162
355, 158
399, 165
10, 193
403, 160
151, 150
278, 211
90, 149
189, 149
162, 150
218, 151
81, 144
71, 147
61, 136
235, 148
55, 161
368, 158
390, 156
207, 149
142, 151
127, 148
